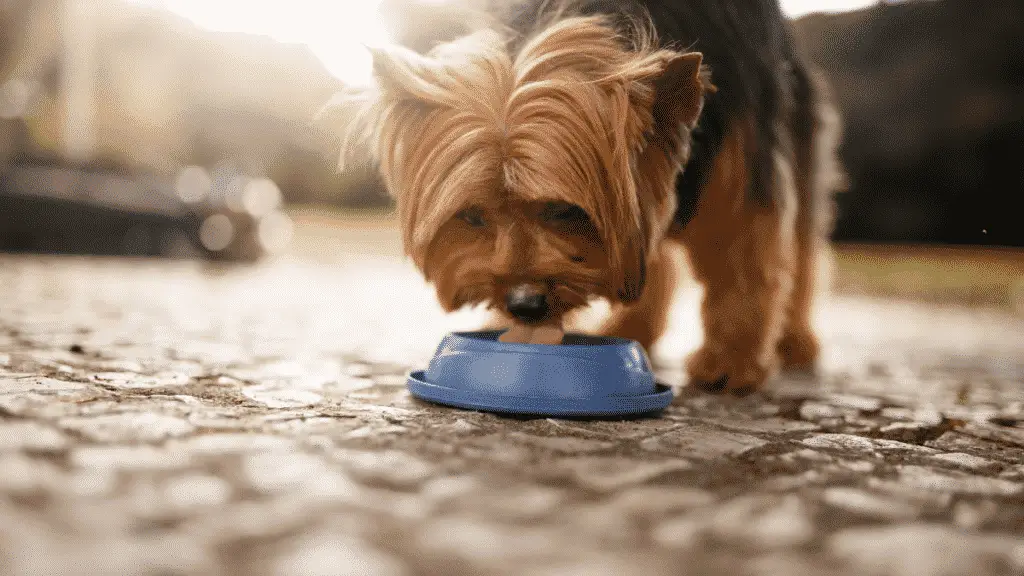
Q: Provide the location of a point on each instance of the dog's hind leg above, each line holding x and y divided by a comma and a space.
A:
817, 175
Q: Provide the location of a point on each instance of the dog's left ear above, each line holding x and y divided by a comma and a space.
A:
680, 82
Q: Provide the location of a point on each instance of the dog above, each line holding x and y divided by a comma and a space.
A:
559, 153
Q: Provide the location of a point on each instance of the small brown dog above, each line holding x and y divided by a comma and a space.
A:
557, 157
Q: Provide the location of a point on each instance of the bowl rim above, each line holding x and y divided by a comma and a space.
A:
610, 405
483, 337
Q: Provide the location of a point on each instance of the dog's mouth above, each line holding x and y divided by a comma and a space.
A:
529, 302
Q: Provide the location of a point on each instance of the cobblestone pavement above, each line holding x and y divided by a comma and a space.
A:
168, 418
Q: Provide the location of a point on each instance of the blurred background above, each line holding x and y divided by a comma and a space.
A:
183, 128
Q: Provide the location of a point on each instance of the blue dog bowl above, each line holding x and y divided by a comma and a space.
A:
585, 376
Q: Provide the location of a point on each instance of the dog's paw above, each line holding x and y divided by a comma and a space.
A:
799, 351
717, 373
630, 328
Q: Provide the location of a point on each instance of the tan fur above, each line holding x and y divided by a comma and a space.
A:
566, 120
645, 320
744, 257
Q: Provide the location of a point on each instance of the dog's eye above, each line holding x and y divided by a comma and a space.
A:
559, 212
472, 216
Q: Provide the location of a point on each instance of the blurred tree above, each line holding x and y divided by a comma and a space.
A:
932, 94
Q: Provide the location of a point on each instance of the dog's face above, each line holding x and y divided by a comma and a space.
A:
530, 182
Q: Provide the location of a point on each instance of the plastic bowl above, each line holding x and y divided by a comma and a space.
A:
584, 376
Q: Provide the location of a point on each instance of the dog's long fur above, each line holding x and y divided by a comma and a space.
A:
548, 149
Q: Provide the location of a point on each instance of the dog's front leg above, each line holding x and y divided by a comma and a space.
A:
747, 275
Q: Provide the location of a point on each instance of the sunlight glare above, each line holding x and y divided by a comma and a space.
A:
336, 32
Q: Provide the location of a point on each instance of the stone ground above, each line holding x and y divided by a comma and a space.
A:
172, 418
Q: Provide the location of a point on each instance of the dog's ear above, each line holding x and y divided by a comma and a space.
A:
448, 71
408, 86
405, 75
679, 91
628, 264
670, 86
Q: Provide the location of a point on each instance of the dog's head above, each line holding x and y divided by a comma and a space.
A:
530, 181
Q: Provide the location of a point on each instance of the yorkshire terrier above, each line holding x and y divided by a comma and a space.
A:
557, 154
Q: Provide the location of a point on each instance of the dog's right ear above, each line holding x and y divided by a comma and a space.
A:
447, 74
408, 86
405, 75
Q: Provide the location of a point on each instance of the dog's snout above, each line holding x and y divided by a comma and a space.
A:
527, 303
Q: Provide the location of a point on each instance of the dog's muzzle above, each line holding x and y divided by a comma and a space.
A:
527, 303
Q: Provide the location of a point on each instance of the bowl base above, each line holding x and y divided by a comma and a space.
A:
597, 407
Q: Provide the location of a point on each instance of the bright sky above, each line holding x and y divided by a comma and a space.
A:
336, 30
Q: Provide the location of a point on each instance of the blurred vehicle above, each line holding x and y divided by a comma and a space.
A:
56, 208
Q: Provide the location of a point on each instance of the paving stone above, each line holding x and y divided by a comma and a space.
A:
563, 444
853, 443
870, 505
917, 417
392, 468
24, 475
862, 403
328, 554
906, 431
765, 425
654, 501
926, 550
602, 525
924, 478
130, 380
188, 493
702, 443
681, 532
38, 385
840, 442
764, 521
282, 471
973, 515
280, 397
227, 443
449, 488
884, 445
487, 544
129, 458
974, 463
520, 504
128, 427
608, 473
819, 411
254, 420
30, 436
1006, 434
957, 442
92, 483
606, 564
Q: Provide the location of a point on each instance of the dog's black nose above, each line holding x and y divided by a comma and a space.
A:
526, 303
